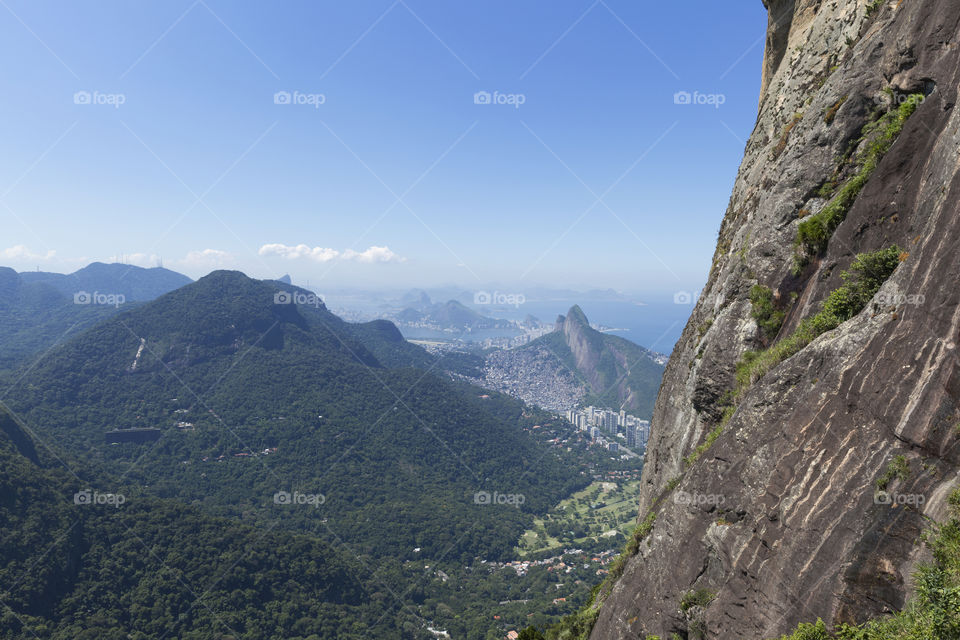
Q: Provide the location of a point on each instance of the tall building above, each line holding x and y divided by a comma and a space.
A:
643, 433
631, 435
610, 422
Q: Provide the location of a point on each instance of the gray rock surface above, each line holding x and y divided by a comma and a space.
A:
797, 534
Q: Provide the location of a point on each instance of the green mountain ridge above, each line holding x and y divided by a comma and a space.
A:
38, 309
134, 283
399, 450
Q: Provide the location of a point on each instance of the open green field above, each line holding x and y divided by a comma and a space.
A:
583, 519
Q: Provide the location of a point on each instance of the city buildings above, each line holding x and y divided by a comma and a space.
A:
597, 421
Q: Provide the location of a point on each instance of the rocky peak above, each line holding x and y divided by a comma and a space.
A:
585, 343
776, 472
617, 372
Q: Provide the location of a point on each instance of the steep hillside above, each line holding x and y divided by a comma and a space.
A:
142, 568
40, 309
35, 316
244, 388
614, 372
820, 364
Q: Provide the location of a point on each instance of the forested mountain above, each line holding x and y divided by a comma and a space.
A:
77, 563
237, 393
35, 316
135, 284
39, 309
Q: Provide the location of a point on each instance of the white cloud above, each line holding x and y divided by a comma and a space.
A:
322, 254
373, 254
318, 254
21, 252
207, 258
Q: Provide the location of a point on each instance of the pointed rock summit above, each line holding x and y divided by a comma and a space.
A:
616, 372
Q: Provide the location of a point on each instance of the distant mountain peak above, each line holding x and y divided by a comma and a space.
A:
617, 372
416, 299
451, 314
135, 284
576, 314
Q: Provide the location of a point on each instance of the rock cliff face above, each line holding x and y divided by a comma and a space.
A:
777, 520
586, 347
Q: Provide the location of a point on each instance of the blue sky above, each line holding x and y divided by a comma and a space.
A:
388, 172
